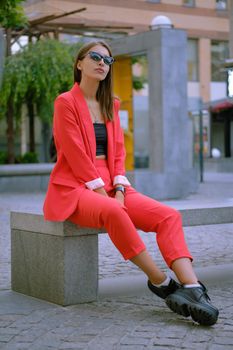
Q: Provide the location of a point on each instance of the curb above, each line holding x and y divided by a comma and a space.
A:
136, 285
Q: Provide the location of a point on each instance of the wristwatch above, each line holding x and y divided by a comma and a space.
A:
120, 188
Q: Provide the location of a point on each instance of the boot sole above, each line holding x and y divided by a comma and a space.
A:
199, 313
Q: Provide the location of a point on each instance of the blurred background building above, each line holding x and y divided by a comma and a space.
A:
207, 24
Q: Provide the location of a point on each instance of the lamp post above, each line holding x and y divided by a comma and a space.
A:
201, 158
160, 22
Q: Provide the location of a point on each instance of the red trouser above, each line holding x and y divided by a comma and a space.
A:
139, 212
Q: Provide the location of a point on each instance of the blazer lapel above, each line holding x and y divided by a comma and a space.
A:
85, 121
110, 134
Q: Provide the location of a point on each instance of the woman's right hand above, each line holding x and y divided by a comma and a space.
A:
120, 197
102, 191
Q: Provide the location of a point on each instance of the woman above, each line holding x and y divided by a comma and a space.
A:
88, 186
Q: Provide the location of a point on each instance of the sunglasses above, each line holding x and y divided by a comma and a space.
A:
97, 57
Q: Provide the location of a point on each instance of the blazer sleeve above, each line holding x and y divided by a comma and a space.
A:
120, 153
69, 138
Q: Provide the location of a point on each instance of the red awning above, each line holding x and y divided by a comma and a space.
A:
222, 106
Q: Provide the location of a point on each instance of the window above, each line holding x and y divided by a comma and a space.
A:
219, 53
192, 60
189, 3
221, 4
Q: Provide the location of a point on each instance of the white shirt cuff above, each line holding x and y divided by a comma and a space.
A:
97, 183
120, 179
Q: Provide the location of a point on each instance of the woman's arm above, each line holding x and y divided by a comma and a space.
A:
69, 138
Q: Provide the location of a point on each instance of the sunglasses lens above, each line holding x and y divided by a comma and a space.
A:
108, 60
97, 57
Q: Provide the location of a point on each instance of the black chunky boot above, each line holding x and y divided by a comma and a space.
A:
164, 291
193, 302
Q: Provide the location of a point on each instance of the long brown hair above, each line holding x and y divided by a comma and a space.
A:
104, 94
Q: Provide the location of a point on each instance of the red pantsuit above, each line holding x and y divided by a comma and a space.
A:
139, 212
78, 173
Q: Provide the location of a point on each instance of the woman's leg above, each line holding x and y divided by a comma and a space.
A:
95, 210
152, 216
98, 211
144, 261
183, 269
191, 299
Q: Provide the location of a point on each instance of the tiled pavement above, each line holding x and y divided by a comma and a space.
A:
122, 320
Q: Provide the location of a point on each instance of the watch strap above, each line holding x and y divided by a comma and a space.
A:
119, 188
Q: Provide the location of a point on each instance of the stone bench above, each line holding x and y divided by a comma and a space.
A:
25, 177
58, 261
29, 177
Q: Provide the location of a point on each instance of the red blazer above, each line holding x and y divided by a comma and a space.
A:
76, 154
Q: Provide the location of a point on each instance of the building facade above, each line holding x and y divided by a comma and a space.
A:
206, 22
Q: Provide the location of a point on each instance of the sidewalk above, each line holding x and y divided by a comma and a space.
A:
126, 316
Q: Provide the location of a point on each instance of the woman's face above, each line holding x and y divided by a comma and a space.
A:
90, 68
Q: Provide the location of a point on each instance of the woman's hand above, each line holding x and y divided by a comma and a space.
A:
102, 191
119, 196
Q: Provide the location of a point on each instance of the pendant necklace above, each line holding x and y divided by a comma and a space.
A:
96, 119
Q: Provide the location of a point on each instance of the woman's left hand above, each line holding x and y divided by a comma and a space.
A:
120, 197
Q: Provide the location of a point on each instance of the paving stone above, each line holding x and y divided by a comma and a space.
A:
116, 323
71, 346
220, 347
220, 340
131, 347
7, 330
135, 340
4, 338
166, 342
19, 346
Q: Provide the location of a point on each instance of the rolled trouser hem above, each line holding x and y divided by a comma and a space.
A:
133, 253
171, 261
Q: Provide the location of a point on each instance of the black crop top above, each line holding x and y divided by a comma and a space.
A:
101, 138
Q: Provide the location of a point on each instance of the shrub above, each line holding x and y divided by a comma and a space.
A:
29, 157
3, 157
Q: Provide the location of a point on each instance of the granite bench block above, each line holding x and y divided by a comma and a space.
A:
58, 261
60, 268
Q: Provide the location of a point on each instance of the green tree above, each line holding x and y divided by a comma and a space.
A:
35, 77
12, 14
11, 18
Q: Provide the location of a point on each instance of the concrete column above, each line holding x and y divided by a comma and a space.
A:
168, 101
169, 128
2, 53
231, 27
204, 54
170, 174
